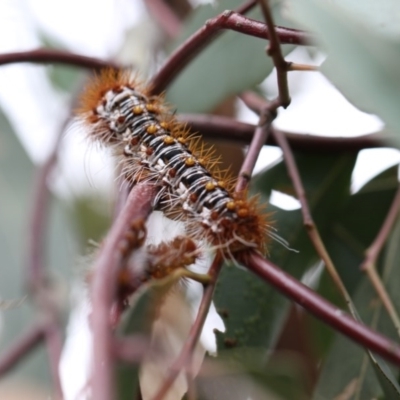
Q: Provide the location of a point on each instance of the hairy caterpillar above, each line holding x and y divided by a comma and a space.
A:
154, 146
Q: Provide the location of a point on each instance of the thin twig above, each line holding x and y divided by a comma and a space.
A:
130, 349
137, 207
186, 353
54, 344
48, 56
372, 253
218, 127
166, 19
229, 20
246, 7
321, 308
36, 253
308, 221
301, 67
22, 347
36, 274
275, 52
258, 141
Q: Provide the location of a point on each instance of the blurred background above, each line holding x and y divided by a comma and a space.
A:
37, 101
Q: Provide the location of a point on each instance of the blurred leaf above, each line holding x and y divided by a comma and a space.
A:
138, 319
351, 233
253, 311
382, 16
16, 177
387, 380
347, 362
241, 373
362, 63
93, 217
232, 63
66, 78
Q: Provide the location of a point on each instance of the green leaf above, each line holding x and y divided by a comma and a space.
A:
348, 365
382, 16
351, 233
242, 373
253, 311
232, 63
386, 378
361, 62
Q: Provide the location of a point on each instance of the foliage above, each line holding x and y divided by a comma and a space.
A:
255, 358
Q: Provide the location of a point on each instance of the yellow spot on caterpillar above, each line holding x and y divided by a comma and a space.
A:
242, 212
137, 110
190, 161
222, 184
169, 140
152, 129
210, 186
230, 205
164, 125
152, 108
181, 140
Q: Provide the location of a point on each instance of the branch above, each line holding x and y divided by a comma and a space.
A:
130, 349
246, 7
275, 52
38, 221
229, 20
109, 260
258, 141
22, 347
321, 308
309, 224
166, 19
218, 127
36, 273
47, 56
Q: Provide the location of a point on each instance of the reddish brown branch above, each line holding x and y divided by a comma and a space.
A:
37, 230
54, 344
295, 178
137, 208
166, 19
47, 56
246, 7
130, 349
21, 348
275, 52
258, 141
36, 273
218, 127
229, 20
322, 309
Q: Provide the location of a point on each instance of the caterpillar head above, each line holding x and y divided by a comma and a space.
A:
100, 104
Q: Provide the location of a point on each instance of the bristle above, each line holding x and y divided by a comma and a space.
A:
154, 146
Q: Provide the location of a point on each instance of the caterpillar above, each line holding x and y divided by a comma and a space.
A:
153, 145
